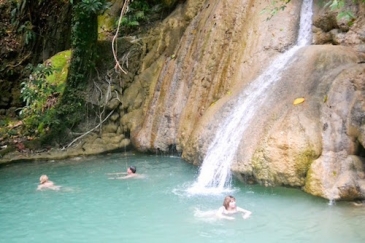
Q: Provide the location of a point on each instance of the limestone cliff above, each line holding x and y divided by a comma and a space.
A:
208, 51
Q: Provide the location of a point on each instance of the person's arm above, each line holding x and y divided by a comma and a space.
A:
245, 213
221, 215
54, 187
117, 173
123, 177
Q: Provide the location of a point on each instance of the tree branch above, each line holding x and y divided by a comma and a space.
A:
83, 135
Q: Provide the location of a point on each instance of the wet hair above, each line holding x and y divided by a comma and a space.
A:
133, 169
227, 200
43, 178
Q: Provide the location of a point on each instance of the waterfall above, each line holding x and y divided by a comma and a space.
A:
215, 173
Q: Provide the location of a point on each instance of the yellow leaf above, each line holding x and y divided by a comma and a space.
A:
298, 101
325, 98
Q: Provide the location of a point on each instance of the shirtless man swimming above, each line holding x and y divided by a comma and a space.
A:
131, 173
44, 183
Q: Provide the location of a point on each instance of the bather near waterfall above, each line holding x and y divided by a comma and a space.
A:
131, 173
229, 208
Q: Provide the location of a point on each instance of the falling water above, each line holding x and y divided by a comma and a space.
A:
215, 174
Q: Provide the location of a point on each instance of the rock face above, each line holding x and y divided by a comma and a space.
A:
221, 47
315, 144
204, 54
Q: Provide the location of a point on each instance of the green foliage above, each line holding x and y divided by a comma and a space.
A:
36, 88
338, 5
334, 5
274, 8
3, 123
21, 14
27, 30
60, 64
346, 15
70, 108
20, 23
137, 13
94, 6
91, 6
40, 97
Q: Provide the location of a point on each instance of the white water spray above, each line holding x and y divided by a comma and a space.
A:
215, 173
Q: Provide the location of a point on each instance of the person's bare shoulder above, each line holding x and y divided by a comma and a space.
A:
49, 185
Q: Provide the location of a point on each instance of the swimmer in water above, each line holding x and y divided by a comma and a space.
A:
131, 173
229, 207
45, 183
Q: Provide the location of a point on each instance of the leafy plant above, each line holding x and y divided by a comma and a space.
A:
69, 108
91, 6
36, 87
40, 97
274, 8
94, 6
137, 13
21, 20
27, 30
334, 5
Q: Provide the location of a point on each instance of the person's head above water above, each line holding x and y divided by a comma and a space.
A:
132, 169
229, 202
43, 179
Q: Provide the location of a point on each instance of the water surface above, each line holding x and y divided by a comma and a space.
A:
92, 208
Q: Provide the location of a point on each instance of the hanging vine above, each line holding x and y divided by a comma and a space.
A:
123, 11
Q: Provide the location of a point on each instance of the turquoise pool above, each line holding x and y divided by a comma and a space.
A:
91, 208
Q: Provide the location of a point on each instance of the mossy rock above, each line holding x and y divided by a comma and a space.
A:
41, 112
60, 63
304, 160
106, 24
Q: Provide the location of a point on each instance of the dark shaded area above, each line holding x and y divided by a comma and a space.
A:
30, 33
360, 151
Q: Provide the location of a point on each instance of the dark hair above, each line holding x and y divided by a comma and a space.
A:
133, 169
